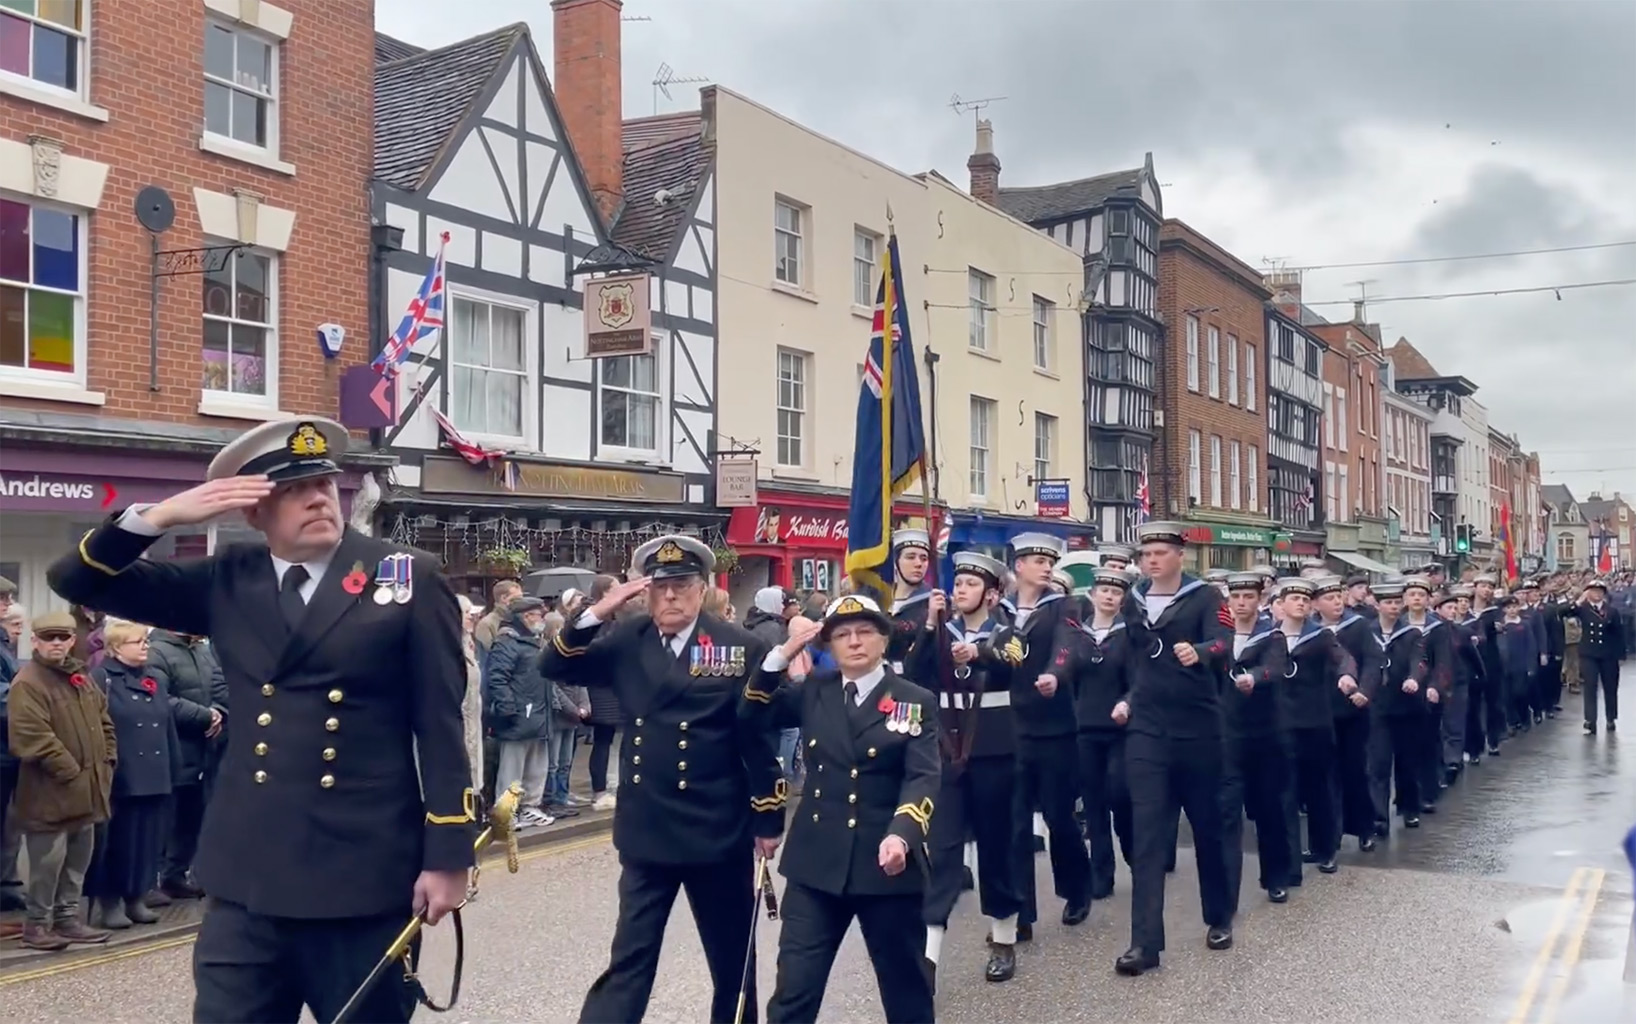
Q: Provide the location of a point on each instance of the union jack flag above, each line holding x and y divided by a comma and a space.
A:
424, 315
1144, 504
467, 449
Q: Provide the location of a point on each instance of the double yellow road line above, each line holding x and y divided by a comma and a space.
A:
491, 865
1578, 904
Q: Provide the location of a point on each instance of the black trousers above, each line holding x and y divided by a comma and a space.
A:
1255, 785
1550, 684
253, 969
1485, 714
1105, 797
8, 786
602, 737
813, 925
722, 899
1048, 781
1357, 809
974, 800
1599, 674
1430, 755
1167, 777
1399, 757
187, 815
1312, 753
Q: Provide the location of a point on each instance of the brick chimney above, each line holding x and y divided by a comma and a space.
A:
1285, 286
585, 34
984, 165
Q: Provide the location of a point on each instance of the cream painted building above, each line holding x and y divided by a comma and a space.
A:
801, 225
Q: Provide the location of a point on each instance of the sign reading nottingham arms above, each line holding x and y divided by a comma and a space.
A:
447, 475
618, 320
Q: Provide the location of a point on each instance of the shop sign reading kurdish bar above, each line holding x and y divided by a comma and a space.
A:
618, 319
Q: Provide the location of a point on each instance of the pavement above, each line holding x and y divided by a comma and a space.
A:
1512, 904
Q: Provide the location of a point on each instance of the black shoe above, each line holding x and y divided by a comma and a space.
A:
1308, 857
1493, 751
1002, 962
1428, 808
1134, 961
1383, 829
1219, 938
1076, 913
1551, 712
1277, 895
1025, 932
928, 968
967, 883
1102, 893
1590, 728
181, 889
1411, 822
1170, 869
1556, 708
1328, 867
1366, 844
1476, 759
1613, 726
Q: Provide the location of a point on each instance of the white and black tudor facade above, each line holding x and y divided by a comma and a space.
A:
598, 453
1113, 219
1295, 406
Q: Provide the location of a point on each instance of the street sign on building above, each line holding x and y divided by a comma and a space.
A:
735, 482
1051, 499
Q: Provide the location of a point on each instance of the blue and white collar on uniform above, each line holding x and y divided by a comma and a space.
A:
1189, 584
1347, 618
1309, 629
921, 592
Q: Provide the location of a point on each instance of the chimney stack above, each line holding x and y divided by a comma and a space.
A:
1285, 286
585, 36
984, 165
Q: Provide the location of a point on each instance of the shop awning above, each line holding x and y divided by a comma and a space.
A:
1364, 562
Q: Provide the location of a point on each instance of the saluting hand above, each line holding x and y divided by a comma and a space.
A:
616, 597
802, 633
207, 501
894, 855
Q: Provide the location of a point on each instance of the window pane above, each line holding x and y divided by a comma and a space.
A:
249, 360
506, 339
616, 372
218, 52
59, 12
51, 332
251, 296
218, 109
218, 290
614, 418
505, 404
461, 334
465, 398
217, 343
643, 412
56, 250
20, 6
249, 119
645, 373
16, 42
13, 327
255, 67
56, 58
14, 241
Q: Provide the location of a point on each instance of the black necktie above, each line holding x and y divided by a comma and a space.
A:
289, 595
851, 691
670, 643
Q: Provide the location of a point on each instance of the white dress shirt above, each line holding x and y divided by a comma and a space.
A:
677, 644
776, 662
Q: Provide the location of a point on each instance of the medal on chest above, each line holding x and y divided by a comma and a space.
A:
394, 579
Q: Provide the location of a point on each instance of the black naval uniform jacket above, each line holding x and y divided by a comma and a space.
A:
864, 781
1171, 700
697, 779
1318, 660
1100, 674
1469, 645
1047, 636
1438, 656
909, 617
971, 721
1402, 658
1356, 635
1603, 635
1484, 625
1265, 656
318, 809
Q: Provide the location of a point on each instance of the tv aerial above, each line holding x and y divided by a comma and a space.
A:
960, 106
665, 77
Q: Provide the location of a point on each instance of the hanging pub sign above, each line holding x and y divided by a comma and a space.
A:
618, 319
735, 482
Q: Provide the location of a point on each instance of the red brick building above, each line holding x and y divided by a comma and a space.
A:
255, 119
1354, 475
1211, 448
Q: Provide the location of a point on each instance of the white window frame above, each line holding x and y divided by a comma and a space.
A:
1235, 458
1249, 377
216, 141
1215, 471
783, 273
1045, 342
661, 408
1329, 415
82, 352
528, 440
983, 412
1232, 370
983, 334
865, 271
1340, 418
1343, 494
1193, 354
73, 101
1045, 435
1213, 362
1329, 490
798, 414
269, 400
1254, 478
1195, 484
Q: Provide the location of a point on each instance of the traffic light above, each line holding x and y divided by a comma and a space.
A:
1462, 538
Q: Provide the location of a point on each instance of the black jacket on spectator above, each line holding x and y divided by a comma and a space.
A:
516, 698
151, 762
8, 671
1171, 700
193, 678
771, 629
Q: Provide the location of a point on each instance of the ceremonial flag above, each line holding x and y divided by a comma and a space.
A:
889, 449
1604, 561
424, 315
1506, 542
1144, 503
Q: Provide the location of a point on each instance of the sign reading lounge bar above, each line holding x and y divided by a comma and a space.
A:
444, 475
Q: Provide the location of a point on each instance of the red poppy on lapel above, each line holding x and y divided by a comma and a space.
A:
78, 680
149, 685
355, 581
887, 705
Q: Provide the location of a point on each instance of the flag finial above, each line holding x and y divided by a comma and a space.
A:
888, 212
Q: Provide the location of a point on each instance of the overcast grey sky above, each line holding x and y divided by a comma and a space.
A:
1311, 132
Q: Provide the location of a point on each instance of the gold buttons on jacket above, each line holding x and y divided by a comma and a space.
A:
335, 696
681, 745
812, 743
815, 817
817, 793
636, 759
682, 726
681, 766
332, 724
329, 753
639, 723
854, 773
871, 751
327, 781
852, 823
637, 740
852, 798
636, 780
682, 784
264, 719
260, 777
261, 750
266, 689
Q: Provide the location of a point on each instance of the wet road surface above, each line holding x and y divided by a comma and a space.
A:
1511, 905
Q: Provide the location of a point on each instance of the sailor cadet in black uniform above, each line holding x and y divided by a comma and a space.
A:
1218, 578
1042, 701
1399, 709
1269, 590
1351, 710
1312, 568
1122, 558
699, 779
1440, 656
1321, 666
1602, 646
1174, 756
1468, 674
873, 772
1104, 665
1485, 697
979, 748
343, 803
911, 558
1258, 762
1357, 596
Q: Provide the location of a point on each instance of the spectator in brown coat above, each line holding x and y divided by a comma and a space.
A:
63, 739
488, 627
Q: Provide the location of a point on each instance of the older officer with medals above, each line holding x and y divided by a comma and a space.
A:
872, 773
699, 779
344, 800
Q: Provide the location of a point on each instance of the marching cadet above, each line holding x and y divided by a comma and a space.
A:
1468, 672
911, 558
1357, 596
1524, 709
1121, 558
1258, 763
1269, 590
1352, 711
849, 851
1218, 579
1556, 641
979, 766
1174, 757
1602, 646
1439, 653
1399, 709
698, 778
1319, 666
1485, 696
344, 802
1042, 702
1104, 663
1313, 567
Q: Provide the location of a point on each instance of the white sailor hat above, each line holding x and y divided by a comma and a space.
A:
283, 451
1328, 583
674, 556
1265, 571
1123, 552
979, 564
911, 538
1391, 588
1296, 585
1417, 582
852, 608
1486, 577
1024, 544
1597, 584
1061, 578
1217, 575
1111, 578
1162, 533
1245, 581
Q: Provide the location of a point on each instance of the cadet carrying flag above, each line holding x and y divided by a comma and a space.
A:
889, 452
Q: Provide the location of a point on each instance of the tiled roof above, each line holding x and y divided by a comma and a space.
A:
1048, 202
641, 132
387, 48
1558, 495
420, 101
643, 225
1409, 363
1597, 507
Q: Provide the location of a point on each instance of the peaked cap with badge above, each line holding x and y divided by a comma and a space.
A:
854, 608
674, 556
283, 452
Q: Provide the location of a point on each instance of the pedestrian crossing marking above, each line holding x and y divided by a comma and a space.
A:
1584, 889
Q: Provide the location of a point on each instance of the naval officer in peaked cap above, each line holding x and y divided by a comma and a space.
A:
342, 656
701, 792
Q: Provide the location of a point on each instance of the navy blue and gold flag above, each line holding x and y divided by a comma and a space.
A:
890, 450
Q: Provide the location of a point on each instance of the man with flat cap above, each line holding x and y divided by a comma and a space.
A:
343, 803
701, 793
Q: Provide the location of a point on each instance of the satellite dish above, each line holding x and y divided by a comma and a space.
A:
154, 209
